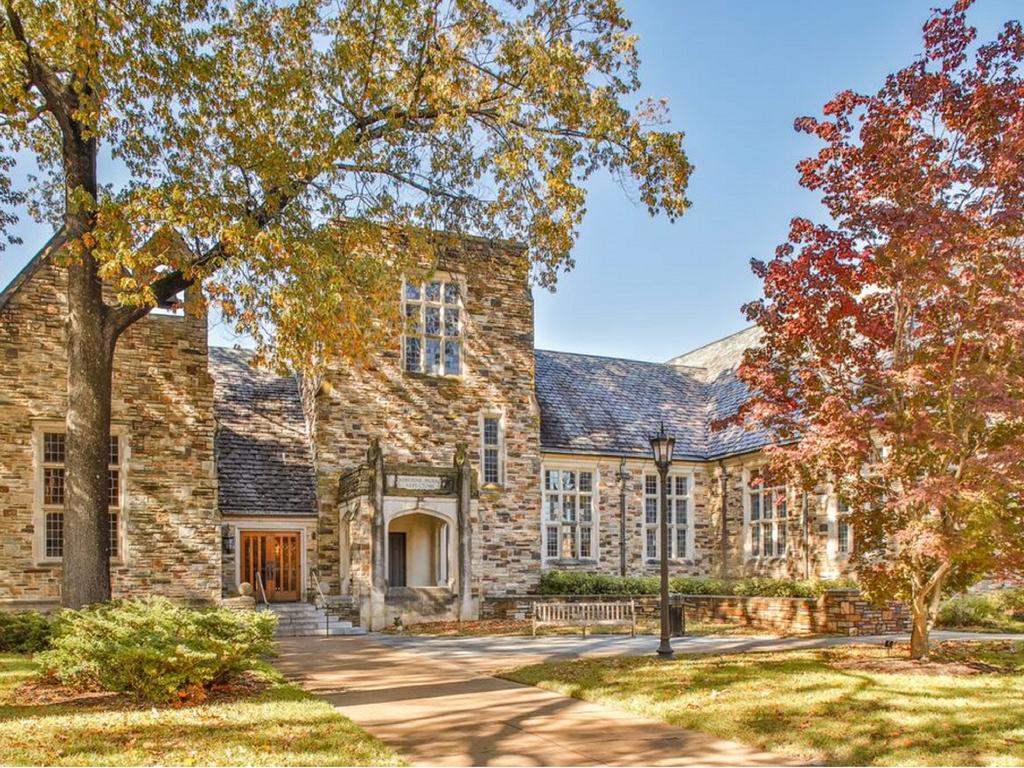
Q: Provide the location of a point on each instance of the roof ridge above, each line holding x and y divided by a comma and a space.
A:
712, 343
612, 357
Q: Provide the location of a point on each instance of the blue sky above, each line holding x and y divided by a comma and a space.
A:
736, 75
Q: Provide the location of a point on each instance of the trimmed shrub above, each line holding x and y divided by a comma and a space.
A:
1011, 601
24, 632
580, 583
155, 649
969, 611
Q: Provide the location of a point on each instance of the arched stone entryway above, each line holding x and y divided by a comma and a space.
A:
421, 545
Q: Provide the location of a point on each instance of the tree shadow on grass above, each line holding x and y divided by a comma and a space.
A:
873, 719
281, 725
801, 705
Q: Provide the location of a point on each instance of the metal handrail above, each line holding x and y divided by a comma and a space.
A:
263, 592
319, 600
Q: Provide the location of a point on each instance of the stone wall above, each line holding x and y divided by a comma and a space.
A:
712, 554
812, 549
163, 404
837, 612
420, 419
609, 517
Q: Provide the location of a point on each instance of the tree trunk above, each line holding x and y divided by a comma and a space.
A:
90, 346
919, 629
924, 606
90, 372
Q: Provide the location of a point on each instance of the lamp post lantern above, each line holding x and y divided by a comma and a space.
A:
662, 446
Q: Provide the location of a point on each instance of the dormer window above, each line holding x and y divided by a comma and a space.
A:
432, 343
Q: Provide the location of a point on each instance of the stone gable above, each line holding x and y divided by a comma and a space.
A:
293, 454
162, 401
420, 419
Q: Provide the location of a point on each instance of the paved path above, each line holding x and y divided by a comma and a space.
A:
437, 711
494, 654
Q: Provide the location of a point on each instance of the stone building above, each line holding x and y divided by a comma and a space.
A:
453, 467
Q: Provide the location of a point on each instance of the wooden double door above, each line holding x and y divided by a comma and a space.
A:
277, 557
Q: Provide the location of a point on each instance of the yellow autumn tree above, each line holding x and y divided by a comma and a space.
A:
218, 145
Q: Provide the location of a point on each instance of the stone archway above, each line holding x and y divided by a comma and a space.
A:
418, 551
421, 549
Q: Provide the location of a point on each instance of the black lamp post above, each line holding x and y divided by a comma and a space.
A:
622, 476
661, 447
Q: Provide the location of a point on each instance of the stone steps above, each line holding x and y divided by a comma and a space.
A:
305, 619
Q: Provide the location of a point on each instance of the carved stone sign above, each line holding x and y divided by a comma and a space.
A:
436, 483
418, 482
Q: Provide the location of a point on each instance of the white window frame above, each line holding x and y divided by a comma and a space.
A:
443, 337
674, 500
777, 526
498, 448
562, 524
843, 521
41, 510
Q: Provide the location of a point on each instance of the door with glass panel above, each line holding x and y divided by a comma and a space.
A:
275, 556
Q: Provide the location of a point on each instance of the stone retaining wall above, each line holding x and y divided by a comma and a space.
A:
838, 611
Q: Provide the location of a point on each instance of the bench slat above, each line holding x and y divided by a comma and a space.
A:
584, 614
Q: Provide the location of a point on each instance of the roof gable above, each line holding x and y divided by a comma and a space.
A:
263, 450
34, 264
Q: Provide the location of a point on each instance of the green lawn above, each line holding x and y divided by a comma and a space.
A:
798, 704
283, 725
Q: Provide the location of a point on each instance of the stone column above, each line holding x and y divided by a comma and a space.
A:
464, 490
378, 536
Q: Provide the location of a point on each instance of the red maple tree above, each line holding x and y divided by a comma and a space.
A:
892, 364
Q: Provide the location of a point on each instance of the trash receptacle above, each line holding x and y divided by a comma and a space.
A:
676, 621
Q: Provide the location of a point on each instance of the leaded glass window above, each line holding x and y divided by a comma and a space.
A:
53, 500
492, 466
679, 490
768, 515
433, 339
570, 514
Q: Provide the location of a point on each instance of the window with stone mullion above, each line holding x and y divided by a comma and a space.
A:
678, 492
844, 531
433, 333
768, 517
53, 457
491, 450
569, 515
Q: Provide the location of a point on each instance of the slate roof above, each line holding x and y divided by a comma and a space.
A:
602, 405
718, 362
591, 404
264, 457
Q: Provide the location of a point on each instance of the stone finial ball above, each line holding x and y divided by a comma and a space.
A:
245, 589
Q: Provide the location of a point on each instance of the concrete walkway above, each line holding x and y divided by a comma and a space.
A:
495, 654
440, 711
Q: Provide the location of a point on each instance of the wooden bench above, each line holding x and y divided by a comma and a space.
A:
584, 615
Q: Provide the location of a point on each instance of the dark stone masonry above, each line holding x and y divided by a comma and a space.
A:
438, 479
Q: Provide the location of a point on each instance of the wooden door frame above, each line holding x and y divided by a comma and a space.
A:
263, 527
405, 558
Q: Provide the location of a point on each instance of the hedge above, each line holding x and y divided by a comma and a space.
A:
984, 609
154, 649
579, 583
24, 632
